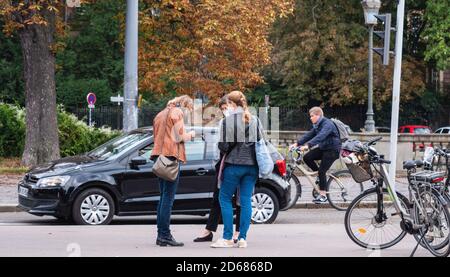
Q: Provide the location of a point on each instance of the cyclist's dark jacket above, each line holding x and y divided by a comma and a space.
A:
324, 134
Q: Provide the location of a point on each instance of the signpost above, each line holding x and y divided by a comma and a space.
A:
91, 99
118, 99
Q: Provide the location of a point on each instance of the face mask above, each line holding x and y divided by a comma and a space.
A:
230, 110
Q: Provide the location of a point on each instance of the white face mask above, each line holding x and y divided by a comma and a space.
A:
228, 111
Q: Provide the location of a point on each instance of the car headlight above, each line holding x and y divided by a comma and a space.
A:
55, 181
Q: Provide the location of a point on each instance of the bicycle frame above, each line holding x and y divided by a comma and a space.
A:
398, 207
311, 174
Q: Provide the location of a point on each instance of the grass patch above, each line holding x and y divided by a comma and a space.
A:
11, 166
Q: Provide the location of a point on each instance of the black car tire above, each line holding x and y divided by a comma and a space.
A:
94, 192
269, 198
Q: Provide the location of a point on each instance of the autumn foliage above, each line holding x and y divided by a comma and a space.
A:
205, 46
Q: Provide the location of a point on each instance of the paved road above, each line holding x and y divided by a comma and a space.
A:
299, 232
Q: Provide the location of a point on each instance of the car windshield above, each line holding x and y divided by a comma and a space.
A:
422, 131
117, 146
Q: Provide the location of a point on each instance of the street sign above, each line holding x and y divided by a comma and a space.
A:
73, 3
118, 99
91, 98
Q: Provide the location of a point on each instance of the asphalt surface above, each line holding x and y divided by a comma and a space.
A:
297, 232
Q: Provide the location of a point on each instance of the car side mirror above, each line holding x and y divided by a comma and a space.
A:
138, 161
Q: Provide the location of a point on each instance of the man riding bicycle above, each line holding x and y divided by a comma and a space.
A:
324, 144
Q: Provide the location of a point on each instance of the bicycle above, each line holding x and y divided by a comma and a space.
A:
340, 193
379, 218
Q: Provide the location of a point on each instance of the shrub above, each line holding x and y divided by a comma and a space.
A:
75, 137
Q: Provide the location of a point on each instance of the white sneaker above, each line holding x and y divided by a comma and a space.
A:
223, 243
242, 243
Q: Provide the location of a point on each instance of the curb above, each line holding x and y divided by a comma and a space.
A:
311, 206
10, 208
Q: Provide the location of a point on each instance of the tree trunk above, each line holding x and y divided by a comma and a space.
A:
41, 140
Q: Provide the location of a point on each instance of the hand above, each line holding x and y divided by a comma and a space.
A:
291, 147
192, 133
304, 148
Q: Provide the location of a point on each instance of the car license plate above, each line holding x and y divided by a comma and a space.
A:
23, 191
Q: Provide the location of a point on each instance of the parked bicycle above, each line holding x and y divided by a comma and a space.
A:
381, 217
341, 188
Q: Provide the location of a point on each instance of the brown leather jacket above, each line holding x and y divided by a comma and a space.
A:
168, 137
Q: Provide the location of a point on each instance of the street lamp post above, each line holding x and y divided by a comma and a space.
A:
371, 8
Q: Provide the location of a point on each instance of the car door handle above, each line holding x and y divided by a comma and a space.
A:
201, 171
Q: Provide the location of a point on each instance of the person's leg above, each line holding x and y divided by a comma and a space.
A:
238, 217
231, 179
215, 213
158, 211
311, 157
246, 190
328, 159
167, 199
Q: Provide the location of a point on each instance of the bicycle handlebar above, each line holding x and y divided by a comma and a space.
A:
384, 161
373, 141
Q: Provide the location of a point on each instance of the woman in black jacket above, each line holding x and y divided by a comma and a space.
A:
238, 136
215, 213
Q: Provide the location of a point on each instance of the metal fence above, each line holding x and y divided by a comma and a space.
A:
290, 118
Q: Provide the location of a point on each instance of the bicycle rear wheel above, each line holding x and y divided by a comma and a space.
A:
368, 229
342, 190
433, 210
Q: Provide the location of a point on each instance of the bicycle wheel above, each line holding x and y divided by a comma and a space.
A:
342, 190
295, 191
363, 226
433, 213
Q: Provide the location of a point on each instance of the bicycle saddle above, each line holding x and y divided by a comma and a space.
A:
412, 164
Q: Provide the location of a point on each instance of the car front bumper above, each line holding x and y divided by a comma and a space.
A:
41, 201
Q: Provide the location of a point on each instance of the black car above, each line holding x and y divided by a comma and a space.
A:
116, 179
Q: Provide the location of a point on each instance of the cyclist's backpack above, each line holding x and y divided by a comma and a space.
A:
342, 128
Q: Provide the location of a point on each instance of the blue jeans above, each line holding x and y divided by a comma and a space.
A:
244, 177
167, 190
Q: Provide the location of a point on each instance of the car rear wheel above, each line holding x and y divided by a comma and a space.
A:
265, 206
93, 207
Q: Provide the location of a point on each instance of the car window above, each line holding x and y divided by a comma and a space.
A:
195, 150
113, 148
422, 131
405, 130
445, 131
146, 152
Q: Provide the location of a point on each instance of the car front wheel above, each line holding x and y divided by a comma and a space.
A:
93, 207
265, 206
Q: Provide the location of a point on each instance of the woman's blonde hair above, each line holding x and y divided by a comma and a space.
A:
239, 99
183, 101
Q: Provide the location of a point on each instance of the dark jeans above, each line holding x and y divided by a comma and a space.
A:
167, 190
216, 213
327, 158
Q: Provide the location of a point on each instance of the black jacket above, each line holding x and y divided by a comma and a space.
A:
325, 135
237, 139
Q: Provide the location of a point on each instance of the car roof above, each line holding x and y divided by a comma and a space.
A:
149, 129
414, 126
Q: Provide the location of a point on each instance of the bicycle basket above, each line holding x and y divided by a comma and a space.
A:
359, 167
